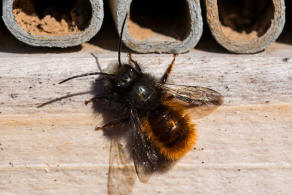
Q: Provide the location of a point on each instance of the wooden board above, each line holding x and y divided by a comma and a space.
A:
244, 147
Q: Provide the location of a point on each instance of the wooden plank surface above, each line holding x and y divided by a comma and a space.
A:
244, 147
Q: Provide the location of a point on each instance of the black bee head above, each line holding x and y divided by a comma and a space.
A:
125, 77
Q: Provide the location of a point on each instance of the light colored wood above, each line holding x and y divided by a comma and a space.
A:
244, 147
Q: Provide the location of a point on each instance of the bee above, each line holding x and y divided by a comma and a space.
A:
159, 118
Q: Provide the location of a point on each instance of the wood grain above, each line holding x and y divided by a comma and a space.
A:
244, 147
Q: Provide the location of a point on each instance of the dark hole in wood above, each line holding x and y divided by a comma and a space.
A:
245, 20
159, 20
52, 17
286, 37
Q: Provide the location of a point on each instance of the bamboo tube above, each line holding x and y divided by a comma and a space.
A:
158, 26
53, 23
246, 26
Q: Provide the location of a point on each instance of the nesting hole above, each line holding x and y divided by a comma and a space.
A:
52, 17
159, 20
285, 36
245, 20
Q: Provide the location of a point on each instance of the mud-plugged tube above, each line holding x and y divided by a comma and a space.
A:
53, 23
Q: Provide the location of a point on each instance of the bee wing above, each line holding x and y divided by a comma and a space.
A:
197, 101
121, 176
147, 157
142, 166
141, 150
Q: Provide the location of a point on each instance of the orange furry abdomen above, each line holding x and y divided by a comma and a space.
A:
170, 130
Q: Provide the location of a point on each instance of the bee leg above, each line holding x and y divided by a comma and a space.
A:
168, 70
96, 61
112, 124
134, 62
90, 100
96, 98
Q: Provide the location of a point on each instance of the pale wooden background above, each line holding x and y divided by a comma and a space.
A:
244, 147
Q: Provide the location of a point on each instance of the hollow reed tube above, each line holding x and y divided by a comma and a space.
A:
53, 23
245, 26
172, 26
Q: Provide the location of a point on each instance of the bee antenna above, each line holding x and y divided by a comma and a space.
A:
84, 75
120, 41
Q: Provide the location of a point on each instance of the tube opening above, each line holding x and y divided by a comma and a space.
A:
285, 36
245, 20
158, 21
52, 17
